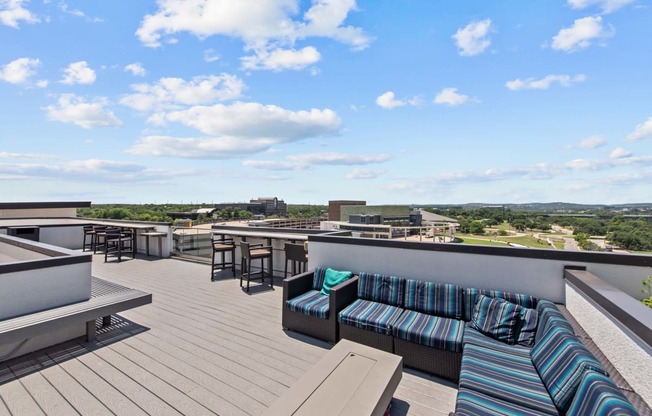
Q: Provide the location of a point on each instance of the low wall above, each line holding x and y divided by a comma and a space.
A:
533, 271
59, 277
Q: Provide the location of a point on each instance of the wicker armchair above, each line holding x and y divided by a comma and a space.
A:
304, 286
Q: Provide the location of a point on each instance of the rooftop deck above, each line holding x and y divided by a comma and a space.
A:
200, 348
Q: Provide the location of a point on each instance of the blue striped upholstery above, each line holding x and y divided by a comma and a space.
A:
432, 331
318, 278
373, 316
511, 378
529, 319
433, 298
381, 288
561, 360
471, 294
472, 403
597, 395
496, 318
473, 336
549, 316
311, 303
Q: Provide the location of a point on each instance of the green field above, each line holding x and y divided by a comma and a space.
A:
528, 241
463, 239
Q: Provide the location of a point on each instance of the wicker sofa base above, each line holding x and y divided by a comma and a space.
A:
442, 363
363, 336
323, 329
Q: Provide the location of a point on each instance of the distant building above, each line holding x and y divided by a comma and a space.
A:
335, 207
272, 206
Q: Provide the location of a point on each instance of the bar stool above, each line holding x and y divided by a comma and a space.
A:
296, 253
223, 246
117, 242
255, 252
89, 232
100, 237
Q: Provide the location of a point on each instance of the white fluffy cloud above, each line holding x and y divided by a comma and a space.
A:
451, 97
592, 142
19, 71
473, 39
544, 83
359, 173
641, 131
281, 59
581, 34
268, 27
171, 93
12, 12
78, 73
236, 130
607, 6
619, 153
76, 110
211, 56
136, 69
388, 101
305, 161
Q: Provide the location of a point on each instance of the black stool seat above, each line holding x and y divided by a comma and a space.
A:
223, 246
255, 252
296, 253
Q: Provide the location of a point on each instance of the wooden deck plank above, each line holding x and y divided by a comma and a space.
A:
170, 394
3, 408
43, 393
106, 393
15, 397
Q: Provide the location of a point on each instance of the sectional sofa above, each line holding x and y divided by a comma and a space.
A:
510, 353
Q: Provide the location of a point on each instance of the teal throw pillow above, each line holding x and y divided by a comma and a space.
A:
332, 279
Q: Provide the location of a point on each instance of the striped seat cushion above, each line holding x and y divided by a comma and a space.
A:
597, 395
472, 403
549, 317
432, 331
527, 331
509, 377
311, 303
497, 318
373, 316
562, 360
433, 298
381, 288
475, 337
318, 278
471, 294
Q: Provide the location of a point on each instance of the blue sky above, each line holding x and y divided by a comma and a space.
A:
390, 101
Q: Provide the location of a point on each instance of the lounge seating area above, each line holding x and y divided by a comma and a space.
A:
510, 353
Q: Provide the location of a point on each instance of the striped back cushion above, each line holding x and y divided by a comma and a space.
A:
562, 360
549, 317
318, 278
597, 395
471, 295
432, 298
497, 318
527, 331
381, 288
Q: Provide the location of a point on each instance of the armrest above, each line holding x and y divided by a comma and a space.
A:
296, 285
343, 295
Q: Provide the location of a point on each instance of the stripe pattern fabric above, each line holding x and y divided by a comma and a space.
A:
508, 377
562, 360
432, 298
475, 337
549, 317
473, 403
529, 318
369, 315
432, 331
598, 395
311, 303
381, 288
471, 294
496, 318
318, 278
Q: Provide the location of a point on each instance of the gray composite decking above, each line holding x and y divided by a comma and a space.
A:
200, 348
